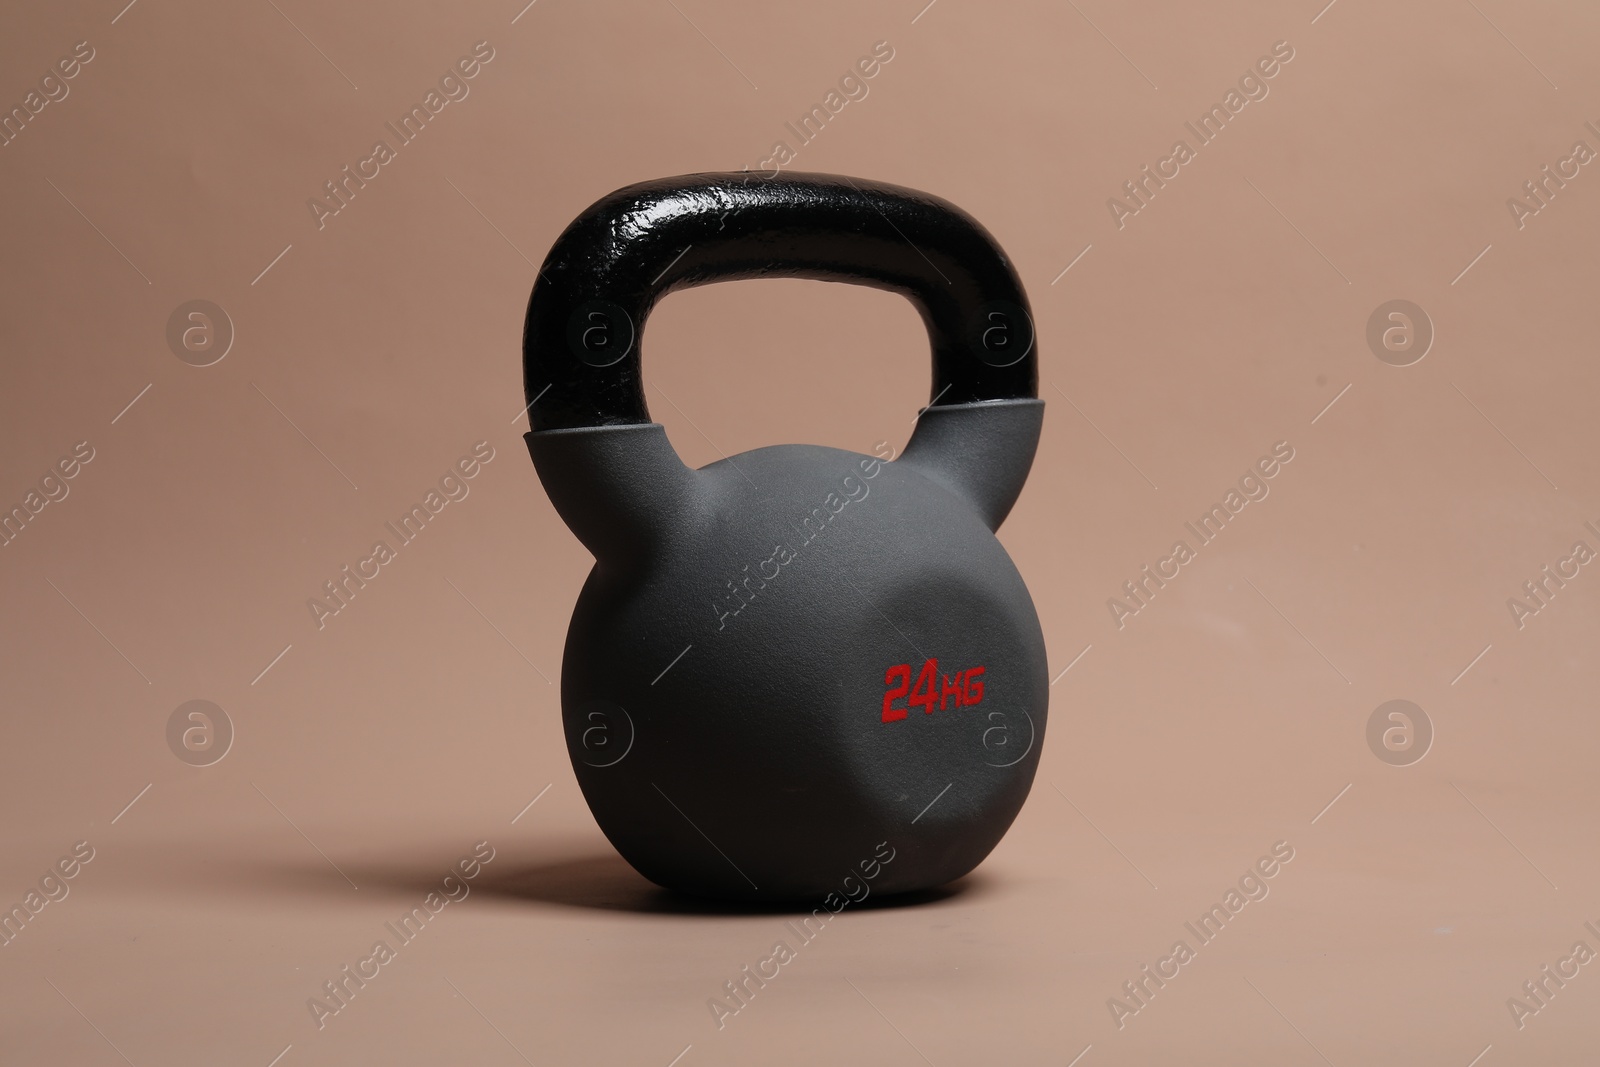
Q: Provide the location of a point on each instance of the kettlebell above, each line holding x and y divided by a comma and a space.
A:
799, 673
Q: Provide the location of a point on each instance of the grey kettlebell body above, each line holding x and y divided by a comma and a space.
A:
799, 665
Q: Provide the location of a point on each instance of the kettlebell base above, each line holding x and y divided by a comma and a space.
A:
847, 888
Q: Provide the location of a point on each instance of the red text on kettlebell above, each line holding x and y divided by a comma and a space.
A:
962, 687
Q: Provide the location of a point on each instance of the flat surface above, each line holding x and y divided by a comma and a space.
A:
1180, 343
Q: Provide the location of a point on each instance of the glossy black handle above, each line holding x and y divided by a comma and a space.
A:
580, 345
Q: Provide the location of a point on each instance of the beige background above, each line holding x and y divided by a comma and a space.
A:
1226, 316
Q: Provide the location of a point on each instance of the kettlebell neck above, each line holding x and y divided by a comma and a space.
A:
981, 452
620, 489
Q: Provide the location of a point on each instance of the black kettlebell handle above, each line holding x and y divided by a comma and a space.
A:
580, 348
